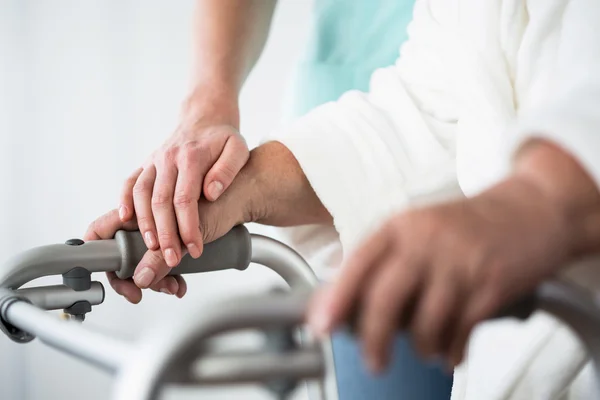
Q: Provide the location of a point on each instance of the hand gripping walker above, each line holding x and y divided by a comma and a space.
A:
176, 354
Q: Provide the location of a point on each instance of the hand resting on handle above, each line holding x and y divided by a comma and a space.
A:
105, 227
270, 189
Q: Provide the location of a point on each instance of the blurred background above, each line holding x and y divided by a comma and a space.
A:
87, 90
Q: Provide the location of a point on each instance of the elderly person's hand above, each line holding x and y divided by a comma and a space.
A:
105, 227
202, 157
215, 220
439, 270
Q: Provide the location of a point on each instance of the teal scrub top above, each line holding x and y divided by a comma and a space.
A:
347, 42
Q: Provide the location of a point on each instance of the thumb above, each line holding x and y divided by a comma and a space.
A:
150, 269
233, 158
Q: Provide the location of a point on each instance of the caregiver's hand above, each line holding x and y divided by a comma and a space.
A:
438, 271
202, 156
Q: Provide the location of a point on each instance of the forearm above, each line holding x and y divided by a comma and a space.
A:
272, 190
229, 36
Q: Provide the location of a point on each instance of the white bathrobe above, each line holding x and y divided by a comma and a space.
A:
476, 79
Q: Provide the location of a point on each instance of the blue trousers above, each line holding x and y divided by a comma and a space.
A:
407, 378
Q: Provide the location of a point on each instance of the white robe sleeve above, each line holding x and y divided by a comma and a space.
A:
571, 116
368, 154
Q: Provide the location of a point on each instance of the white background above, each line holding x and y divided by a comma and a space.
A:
87, 90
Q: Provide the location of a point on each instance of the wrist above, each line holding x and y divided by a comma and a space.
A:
254, 192
244, 201
567, 188
211, 103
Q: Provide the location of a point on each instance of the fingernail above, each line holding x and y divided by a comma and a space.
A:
193, 250
215, 189
166, 291
150, 241
170, 257
144, 278
122, 211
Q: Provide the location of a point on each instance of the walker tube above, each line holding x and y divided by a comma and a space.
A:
302, 364
68, 336
299, 275
57, 297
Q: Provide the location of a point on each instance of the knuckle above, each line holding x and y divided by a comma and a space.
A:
144, 221
197, 154
227, 171
183, 200
239, 145
142, 187
165, 236
239, 141
161, 200
191, 152
155, 261
192, 146
168, 155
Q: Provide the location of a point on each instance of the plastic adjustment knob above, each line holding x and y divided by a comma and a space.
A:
74, 242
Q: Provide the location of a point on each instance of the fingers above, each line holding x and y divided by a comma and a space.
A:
142, 200
232, 159
107, 225
338, 303
164, 213
182, 290
187, 194
171, 285
385, 301
151, 273
125, 287
167, 285
126, 206
151, 269
436, 314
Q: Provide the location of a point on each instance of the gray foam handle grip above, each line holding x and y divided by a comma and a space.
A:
232, 251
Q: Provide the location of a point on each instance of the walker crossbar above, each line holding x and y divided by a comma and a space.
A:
178, 352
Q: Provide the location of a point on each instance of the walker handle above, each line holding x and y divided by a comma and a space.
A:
232, 251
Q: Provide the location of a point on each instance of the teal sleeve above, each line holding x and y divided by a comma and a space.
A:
349, 39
